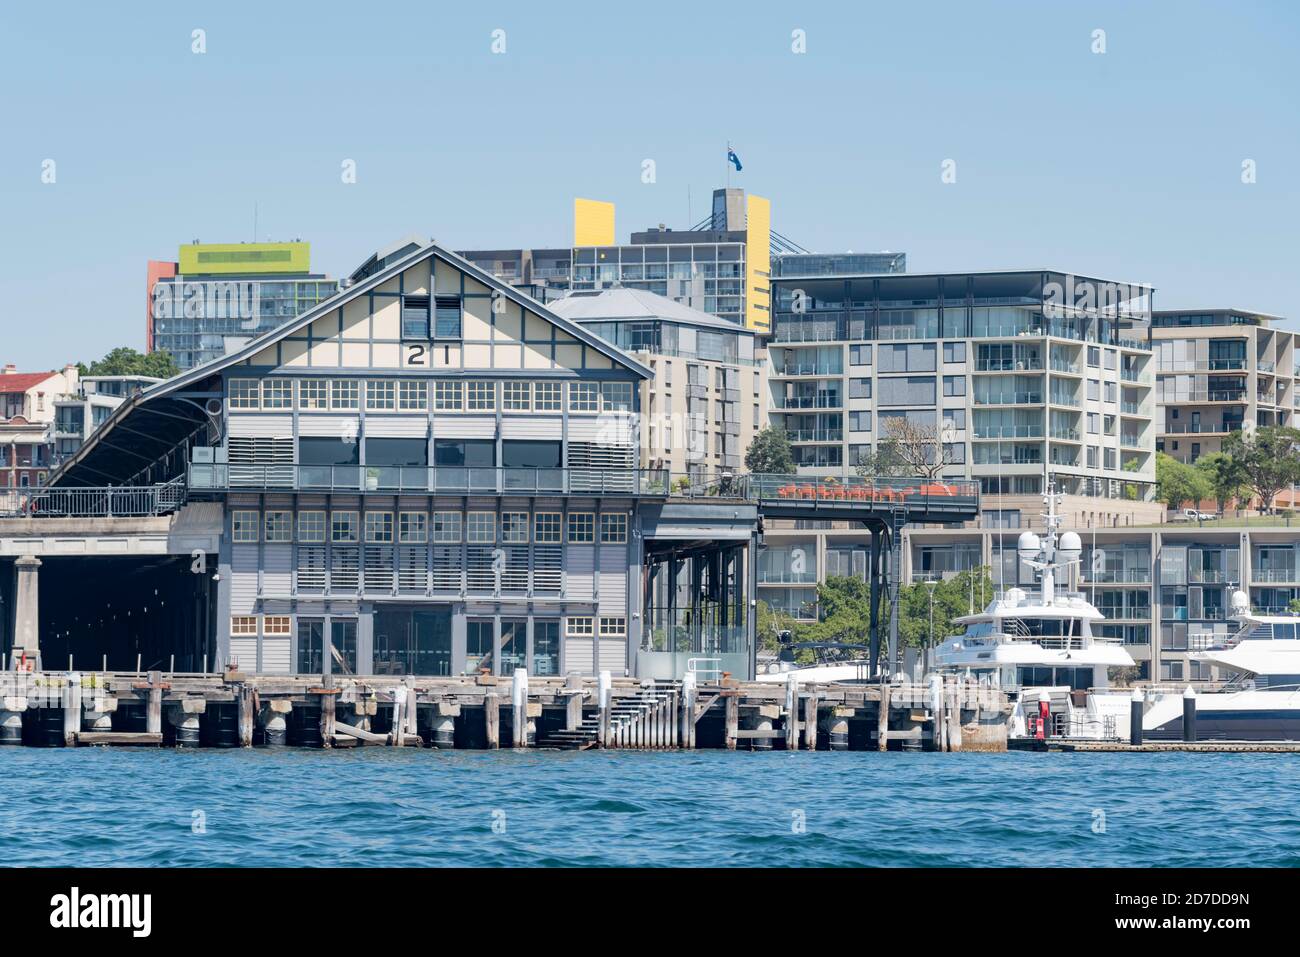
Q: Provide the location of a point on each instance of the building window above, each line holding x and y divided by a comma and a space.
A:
584, 397
613, 528
612, 627
860, 355
581, 627
279, 526
546, 397
954, 352
514, 527
546, 528
447, 397
413, 395
413, 528
381, 395
482, 395
516, 396
243, 394
311, 526
345, 394
313, 394
446, 317
243, 625
618, 396
275, 626
954, 385
481, 528
343, 527
243, 526
379, 527
582, 527
415, 317
277, 394
446, 527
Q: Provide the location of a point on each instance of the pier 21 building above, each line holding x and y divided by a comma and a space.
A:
428, 473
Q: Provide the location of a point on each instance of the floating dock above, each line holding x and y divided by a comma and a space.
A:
155, 709
1152, 747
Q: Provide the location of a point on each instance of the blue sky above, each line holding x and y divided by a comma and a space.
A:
1125, 164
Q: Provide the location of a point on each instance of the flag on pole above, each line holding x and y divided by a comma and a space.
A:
733, 159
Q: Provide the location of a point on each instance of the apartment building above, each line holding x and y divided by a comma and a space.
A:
79, 413
27, 401
707, 397
1219, 371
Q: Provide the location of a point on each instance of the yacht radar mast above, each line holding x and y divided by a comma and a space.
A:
1051, 552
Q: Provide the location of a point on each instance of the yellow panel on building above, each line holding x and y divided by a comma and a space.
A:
240, 258
758, 263
593, 223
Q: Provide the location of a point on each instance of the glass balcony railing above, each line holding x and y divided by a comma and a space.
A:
449, 479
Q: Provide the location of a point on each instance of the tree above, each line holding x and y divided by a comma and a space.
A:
1225, 476
844, 609
770, 453
769, 625
1177, 482
953, 597
909, 447
1269, 458
126, 361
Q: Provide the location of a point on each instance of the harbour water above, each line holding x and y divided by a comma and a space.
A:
407, 807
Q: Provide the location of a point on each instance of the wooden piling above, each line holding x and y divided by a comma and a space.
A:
153, 716
954, 717
244, 720
732, 719
327, 709
810, 721
882, 719
71, 709
573, 702
492, 720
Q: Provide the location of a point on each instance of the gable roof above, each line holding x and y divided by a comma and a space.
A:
188, 414
626, 303
22, 381
398, 266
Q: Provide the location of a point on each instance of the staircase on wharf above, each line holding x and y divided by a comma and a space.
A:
234, 709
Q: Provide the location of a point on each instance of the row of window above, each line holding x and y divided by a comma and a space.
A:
416, 528
279, 626
414, 395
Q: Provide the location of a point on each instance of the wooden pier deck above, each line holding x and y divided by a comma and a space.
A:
485, 712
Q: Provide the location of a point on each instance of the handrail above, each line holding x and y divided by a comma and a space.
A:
93, 502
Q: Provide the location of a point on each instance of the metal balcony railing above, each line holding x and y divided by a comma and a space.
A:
99, 502
448, 479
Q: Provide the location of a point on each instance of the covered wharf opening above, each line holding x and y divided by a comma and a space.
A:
155, 611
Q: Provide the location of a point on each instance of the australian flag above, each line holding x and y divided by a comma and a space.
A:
733, 159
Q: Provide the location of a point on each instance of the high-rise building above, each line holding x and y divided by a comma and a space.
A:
1012, 375
218, 296
721, 265
1219, 371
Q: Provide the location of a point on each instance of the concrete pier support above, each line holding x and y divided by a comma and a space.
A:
27, 629
11, 718
761, 719
183, 716
836, 725
273, 720
98, 708
442, 734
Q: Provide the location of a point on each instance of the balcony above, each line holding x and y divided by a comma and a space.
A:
1273, 575
815, 435
789, 369
1071, 368
1200, 428
1068, 435
1009, 432
1018, 364
451, 480
1009, 398
830, 400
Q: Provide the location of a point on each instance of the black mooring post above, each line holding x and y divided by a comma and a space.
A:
1135, 717
873, 578
1189, 714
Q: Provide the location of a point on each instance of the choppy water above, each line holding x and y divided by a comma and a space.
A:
103, 807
